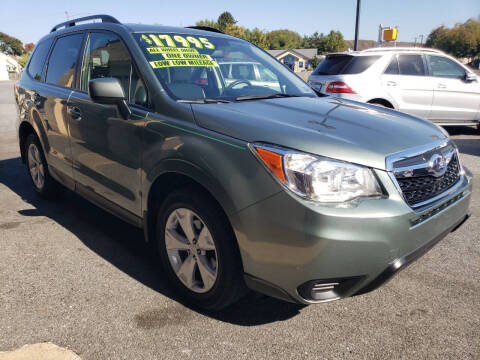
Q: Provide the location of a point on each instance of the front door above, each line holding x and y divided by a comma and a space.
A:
106, 147
454, 99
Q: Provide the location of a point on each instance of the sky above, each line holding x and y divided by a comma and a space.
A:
29, 20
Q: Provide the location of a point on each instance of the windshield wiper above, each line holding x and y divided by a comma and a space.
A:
204, 101
269, 96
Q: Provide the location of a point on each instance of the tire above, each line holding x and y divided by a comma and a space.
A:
210, 274
37, 168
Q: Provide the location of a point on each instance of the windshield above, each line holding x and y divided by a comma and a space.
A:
215, 68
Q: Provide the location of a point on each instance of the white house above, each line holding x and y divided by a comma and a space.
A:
8, 65
296, 59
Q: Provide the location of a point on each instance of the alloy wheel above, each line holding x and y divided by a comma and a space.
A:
35, 166
191, 250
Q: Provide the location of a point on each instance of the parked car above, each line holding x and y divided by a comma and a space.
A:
422, 82
236, 186
253, 72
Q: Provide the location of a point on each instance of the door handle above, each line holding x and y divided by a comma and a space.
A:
391, 83
75, 113
441, 86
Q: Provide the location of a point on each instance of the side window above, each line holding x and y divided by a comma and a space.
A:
392, 68
444, 67
37, 63
107, 56
243, 71
63, 60
266, 74
411, 65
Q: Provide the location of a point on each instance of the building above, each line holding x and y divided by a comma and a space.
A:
9, 67
296, 59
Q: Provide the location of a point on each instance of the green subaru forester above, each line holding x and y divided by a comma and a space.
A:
239, 173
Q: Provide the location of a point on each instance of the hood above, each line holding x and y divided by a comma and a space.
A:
332, 127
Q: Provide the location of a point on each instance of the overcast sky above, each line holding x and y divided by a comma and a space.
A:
29, 20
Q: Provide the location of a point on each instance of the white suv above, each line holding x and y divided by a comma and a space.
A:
422, 82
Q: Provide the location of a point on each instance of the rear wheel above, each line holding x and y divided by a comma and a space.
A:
37, 168
198, 250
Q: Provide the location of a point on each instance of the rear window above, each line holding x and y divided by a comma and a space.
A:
345, 64
37, 63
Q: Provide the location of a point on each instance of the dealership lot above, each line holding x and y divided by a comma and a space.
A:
74, 275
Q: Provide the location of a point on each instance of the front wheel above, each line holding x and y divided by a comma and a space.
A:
198, 250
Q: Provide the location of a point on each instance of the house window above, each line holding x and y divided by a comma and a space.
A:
300, 64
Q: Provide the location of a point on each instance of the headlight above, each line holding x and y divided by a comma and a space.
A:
317, 178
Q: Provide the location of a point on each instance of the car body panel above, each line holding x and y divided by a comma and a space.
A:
335, 128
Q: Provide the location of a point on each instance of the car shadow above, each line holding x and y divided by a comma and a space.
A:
470, 146
123, 246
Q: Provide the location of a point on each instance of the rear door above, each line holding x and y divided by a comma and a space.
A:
59, 79
106, 147
454, 98
406, 81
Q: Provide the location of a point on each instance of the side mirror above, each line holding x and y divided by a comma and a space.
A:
109, 91
470, 77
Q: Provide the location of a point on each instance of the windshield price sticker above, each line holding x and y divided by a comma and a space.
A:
185, 62
185, 42
178, 50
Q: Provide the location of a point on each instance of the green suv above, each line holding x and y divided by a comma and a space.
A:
236, 185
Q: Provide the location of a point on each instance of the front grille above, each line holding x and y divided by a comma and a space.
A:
422, 188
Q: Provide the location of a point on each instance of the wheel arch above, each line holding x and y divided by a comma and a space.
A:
382, 101
174, 176
24, 130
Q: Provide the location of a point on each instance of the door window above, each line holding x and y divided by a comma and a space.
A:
392, 68
107, 56
63, 60
266, 74
37, 63
444, 67
411, 65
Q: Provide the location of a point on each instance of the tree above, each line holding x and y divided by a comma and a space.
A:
314, 62
10, 45
225, 19
209, 23
283, 39
235, 30
257, 37
463, 40
28, 47
333, 42
23, 59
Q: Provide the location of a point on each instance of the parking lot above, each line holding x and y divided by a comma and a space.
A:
74, 275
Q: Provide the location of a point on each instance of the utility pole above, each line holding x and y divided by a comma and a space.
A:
421, 40
357, 25
66, 14
415, 43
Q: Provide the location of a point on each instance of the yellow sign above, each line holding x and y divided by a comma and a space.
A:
390, 34
184, 62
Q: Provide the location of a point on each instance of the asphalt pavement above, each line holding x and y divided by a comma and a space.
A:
76, 276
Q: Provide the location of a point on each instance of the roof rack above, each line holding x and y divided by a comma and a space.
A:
73, 22
205, 28
402, 49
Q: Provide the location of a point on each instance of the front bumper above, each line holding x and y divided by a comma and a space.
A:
290, 246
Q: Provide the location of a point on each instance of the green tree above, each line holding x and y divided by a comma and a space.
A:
257, 37
463, 40
283, 39
10, 45
333, 42
23, 59
314, 62
225, 19
235, 30
209, 23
